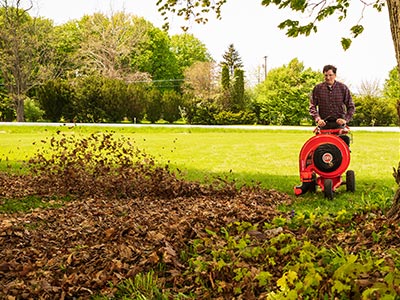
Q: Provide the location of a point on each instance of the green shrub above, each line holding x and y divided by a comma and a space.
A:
56, 98
32, 111
231, 118
7, 110
374, 111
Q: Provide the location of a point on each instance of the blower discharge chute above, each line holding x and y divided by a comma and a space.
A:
322, 161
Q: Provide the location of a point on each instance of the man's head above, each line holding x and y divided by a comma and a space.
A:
329, 74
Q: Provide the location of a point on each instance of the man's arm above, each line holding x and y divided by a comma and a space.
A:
313, 107
350, 107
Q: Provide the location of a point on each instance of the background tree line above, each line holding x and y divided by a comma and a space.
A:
121, 68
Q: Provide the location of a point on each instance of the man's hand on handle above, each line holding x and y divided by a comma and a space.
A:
341, 121
322, 123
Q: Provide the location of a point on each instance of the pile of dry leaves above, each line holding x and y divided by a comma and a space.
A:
77, 249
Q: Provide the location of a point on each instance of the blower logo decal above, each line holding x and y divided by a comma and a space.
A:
327, 158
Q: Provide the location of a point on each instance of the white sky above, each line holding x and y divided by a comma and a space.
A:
252, 28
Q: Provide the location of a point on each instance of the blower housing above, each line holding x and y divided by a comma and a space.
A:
322, 161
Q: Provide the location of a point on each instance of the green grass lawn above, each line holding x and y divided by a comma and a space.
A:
268, 157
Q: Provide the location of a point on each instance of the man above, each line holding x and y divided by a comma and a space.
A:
331, 104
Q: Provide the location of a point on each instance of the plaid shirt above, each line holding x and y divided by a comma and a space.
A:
331, 103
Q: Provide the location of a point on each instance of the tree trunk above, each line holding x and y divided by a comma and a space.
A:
19, 107
394, 18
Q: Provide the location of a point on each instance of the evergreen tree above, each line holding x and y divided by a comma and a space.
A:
225, 78
232, 60
232, 80
238, 102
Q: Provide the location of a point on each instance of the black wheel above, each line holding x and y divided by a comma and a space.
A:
350, 181
327, 158
328, 188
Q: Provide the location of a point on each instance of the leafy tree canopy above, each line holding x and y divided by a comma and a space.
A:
188, 49
283, 97
318, 11
391, 88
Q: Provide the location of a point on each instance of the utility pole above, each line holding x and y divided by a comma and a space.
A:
265, 67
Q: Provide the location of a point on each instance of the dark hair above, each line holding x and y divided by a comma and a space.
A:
329, 67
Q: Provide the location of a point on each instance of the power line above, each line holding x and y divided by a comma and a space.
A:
157, 80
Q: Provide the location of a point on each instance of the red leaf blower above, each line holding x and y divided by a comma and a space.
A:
322, 161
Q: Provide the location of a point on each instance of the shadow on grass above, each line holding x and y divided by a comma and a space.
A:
370, 194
